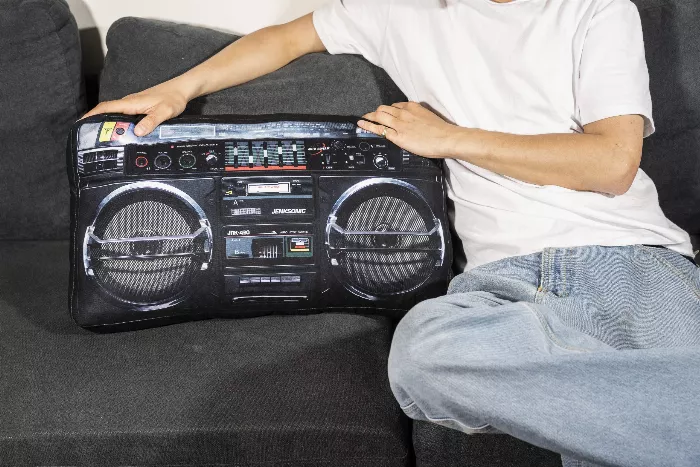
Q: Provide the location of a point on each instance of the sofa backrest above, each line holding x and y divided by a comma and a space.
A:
672, 155
143, 53
40, 98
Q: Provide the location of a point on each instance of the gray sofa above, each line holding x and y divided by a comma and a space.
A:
277, 390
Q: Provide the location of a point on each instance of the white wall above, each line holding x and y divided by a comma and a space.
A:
237, 16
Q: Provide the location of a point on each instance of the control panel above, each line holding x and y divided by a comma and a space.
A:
175, 158
230, 148
353, 154
266, 155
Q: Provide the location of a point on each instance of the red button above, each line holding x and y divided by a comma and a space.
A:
120, 130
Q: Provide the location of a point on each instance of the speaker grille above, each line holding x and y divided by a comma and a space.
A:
386, 213
386, 239
134, 269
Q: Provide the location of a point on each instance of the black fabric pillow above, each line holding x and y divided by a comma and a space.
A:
40, 97
672, 154
143, 53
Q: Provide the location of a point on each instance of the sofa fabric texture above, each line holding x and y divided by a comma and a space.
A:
278, 391
143, 53
40, 97
672, 155
436, 445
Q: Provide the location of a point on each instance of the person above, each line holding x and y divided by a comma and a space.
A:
575, 323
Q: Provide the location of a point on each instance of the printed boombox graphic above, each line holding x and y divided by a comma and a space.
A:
246, 216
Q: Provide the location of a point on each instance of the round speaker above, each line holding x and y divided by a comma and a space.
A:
383, 238
147, 244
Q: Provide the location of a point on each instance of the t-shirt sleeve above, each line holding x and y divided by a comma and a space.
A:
353, 27
614, 78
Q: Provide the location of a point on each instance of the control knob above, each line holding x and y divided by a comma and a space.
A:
364, 146
380, 162
187, 161
163, 161
211, 158
141, 162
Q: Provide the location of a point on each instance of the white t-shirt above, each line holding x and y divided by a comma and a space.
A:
525, 67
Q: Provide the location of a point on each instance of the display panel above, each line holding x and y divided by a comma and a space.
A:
119, 133
266, 188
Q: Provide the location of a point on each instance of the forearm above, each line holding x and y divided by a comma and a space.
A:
605, 158
250, 57
584, 162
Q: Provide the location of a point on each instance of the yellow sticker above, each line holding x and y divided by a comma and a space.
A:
106, 132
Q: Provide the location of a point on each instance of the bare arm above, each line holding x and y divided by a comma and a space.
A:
605, 158
250, 57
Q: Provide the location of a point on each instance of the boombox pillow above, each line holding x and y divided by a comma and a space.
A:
246, 216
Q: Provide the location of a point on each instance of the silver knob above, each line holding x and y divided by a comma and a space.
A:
380, 162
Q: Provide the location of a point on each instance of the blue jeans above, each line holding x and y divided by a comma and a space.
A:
592, 352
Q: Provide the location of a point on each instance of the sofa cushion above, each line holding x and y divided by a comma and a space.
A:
672, 154
40, 97
437, 446
143, 53
275, 391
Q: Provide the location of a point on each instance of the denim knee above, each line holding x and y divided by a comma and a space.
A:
406, 359
421, 351
429, 323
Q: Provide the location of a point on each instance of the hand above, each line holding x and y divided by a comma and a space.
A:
414, 128
159, 103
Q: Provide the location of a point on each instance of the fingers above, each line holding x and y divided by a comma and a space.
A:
382, 118
409, 110
404, 111
407, 105
378, 129
389, 117
154, 118
393, 111
118, 106
94, 111
156, 112
384, 121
